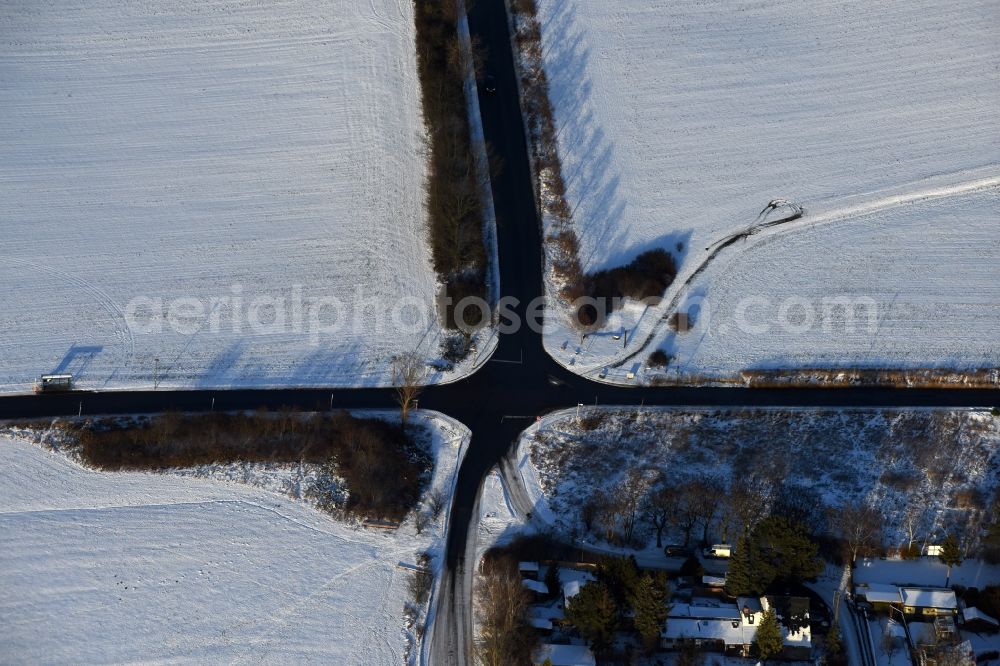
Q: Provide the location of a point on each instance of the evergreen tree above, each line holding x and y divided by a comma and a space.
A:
552, 579
595, 615
649, 601
768, 640
621, 575
738, 582
834, 647
780, 549
950, 555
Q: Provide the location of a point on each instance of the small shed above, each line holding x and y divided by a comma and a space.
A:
976, 620
928, 601
54, 383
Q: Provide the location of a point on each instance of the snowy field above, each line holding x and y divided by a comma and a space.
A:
257, 159
921, 286
678, 122
129, 567
933, 465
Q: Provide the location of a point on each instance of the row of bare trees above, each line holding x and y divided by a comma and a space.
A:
454, 202
703, 507
501, 611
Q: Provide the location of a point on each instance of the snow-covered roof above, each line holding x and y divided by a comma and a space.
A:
928, 597
565, 655
878, 593
571, 589
535, 586
528, 567
713, 581
710, 629
974, 614
720, 612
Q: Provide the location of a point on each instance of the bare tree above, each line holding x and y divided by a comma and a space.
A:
706, 494
687, 509
629, 495
408, 372
889, 643
436, 502
859, 525
658, 510
749, 498
916, 512
501, 609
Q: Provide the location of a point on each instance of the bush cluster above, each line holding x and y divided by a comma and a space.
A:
384, 468
646, 277
453, 198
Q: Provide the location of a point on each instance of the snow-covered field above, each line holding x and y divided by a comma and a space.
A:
248, 157
678, 122
934, 465
132, 567
920, 282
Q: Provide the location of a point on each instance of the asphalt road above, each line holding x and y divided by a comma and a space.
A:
501, 399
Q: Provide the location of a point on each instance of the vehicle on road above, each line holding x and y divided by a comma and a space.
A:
677, 551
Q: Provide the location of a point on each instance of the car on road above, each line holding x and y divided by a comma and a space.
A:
490, 83
678, 551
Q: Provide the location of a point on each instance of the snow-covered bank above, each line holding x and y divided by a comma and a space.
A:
245, 158
130, 567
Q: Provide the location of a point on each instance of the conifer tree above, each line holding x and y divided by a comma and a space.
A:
595, 615
649, 602
768, 640
950, 555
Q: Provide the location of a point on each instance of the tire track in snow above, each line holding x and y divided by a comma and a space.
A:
799, 223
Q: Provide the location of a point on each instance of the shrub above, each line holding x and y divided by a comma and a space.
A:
658, 359
420, 583
455, 348
469, 285
692, 567
646, 277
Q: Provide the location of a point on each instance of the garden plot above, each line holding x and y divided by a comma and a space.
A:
678, 123
249, 158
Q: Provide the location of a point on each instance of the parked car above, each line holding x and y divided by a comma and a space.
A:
678, 551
